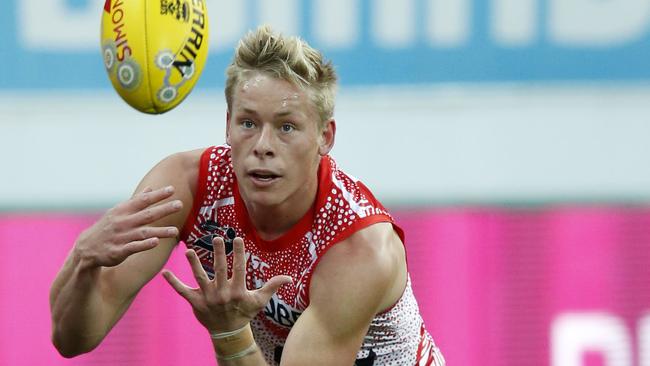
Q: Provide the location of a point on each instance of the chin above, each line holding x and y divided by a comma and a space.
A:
263, 198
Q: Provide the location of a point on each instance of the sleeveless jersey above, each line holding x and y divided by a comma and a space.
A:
342, 207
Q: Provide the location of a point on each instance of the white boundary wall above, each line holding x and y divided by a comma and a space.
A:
444, 144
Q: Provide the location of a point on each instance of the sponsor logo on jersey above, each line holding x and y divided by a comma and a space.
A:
213, 230
281, 313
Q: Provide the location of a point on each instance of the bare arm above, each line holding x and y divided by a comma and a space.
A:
111, 261
356, 279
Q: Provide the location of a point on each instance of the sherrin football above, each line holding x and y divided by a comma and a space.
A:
154, 50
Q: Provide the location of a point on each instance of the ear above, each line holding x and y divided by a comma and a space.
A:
228, 127
326, 138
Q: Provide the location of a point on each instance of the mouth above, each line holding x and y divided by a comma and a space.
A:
263, 176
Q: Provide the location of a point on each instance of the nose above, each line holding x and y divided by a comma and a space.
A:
264, 145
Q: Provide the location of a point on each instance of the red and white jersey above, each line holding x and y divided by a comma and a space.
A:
343, 206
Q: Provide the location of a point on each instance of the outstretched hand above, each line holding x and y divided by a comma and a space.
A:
125, 229
224, 304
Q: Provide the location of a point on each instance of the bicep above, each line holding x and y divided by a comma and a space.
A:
349, 287
319, 338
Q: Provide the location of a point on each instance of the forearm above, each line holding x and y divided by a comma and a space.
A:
77, 309
108, 266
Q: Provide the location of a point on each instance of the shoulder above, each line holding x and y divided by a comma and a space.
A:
350, 191
368, 267
180, 169
185, 160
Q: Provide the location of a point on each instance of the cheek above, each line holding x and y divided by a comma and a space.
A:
306, 161
235, 155
307, 151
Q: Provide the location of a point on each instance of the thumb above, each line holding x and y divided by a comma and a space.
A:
273, 285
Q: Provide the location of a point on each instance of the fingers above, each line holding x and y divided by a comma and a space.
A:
146, 232
239, 264
273, 285
198, 271
139, 246
220, 263
146, 198
182, 289
150, 214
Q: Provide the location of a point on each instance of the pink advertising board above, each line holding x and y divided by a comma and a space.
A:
560, 286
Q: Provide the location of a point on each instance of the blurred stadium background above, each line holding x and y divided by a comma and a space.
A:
511, 138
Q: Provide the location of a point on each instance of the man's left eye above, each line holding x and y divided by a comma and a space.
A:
287, 127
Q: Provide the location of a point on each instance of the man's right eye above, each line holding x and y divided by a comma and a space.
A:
247, 123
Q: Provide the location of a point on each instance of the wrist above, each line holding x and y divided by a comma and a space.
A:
234, 344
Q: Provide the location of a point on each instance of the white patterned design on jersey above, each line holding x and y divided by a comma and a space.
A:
343, 206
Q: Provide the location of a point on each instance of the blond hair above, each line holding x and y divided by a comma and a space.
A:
290, 59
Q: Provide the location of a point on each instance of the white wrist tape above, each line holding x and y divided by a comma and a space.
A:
246, 352
227, 334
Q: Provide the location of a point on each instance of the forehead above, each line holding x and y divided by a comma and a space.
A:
256, 90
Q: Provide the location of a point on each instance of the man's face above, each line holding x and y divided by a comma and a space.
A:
276, 141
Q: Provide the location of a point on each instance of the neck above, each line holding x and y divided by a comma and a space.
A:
271, 222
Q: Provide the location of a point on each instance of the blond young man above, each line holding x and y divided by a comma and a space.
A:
297, 263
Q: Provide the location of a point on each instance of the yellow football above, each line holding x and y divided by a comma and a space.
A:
154, 50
